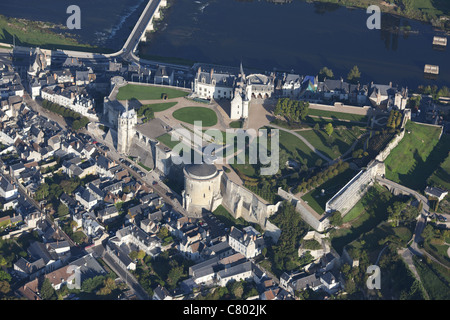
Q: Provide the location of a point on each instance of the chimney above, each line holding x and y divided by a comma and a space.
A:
211, 73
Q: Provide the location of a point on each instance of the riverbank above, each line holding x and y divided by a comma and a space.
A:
41, 34
437, 13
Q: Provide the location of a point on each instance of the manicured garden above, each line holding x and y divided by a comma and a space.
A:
144, 92
191, 114
297, 149
334, 145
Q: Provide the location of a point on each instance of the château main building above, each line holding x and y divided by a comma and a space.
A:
239, 89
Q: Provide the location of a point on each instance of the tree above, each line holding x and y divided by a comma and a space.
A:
318, 162
5, 276
354, 75
174, 276
325, 73
4, 287
62, 210
140, 255
329, 129
237, 289
42, 192
336, 218
316, 127
47, 291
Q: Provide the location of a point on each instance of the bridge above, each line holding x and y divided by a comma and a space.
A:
398, 189
145, 23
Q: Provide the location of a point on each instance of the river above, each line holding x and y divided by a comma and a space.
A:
298, 36
104, 23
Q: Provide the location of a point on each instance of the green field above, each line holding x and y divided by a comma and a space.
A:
343, 139
297, 148
436, 288
133, 91
191, 114
441, 177
317, 201
337, 115
39, 34
417, 155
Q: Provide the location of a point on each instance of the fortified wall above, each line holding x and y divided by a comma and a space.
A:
354, 190
243, 203
314, 220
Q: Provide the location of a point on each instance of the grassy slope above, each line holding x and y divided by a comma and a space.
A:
37, 34
441, 177
416, 156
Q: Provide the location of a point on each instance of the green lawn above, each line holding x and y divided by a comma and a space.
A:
191, 114
297, 148
417, 155
315, 198
144, 92
355, 212
158, 107
166, 139
343, 139
337, 115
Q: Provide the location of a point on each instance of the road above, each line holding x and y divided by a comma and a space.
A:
126, 276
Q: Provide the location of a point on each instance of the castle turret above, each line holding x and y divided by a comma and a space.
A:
126, 129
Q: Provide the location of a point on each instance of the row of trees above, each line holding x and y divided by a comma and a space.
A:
395, 119
323, 176
293, 110
75, 119
434, 91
